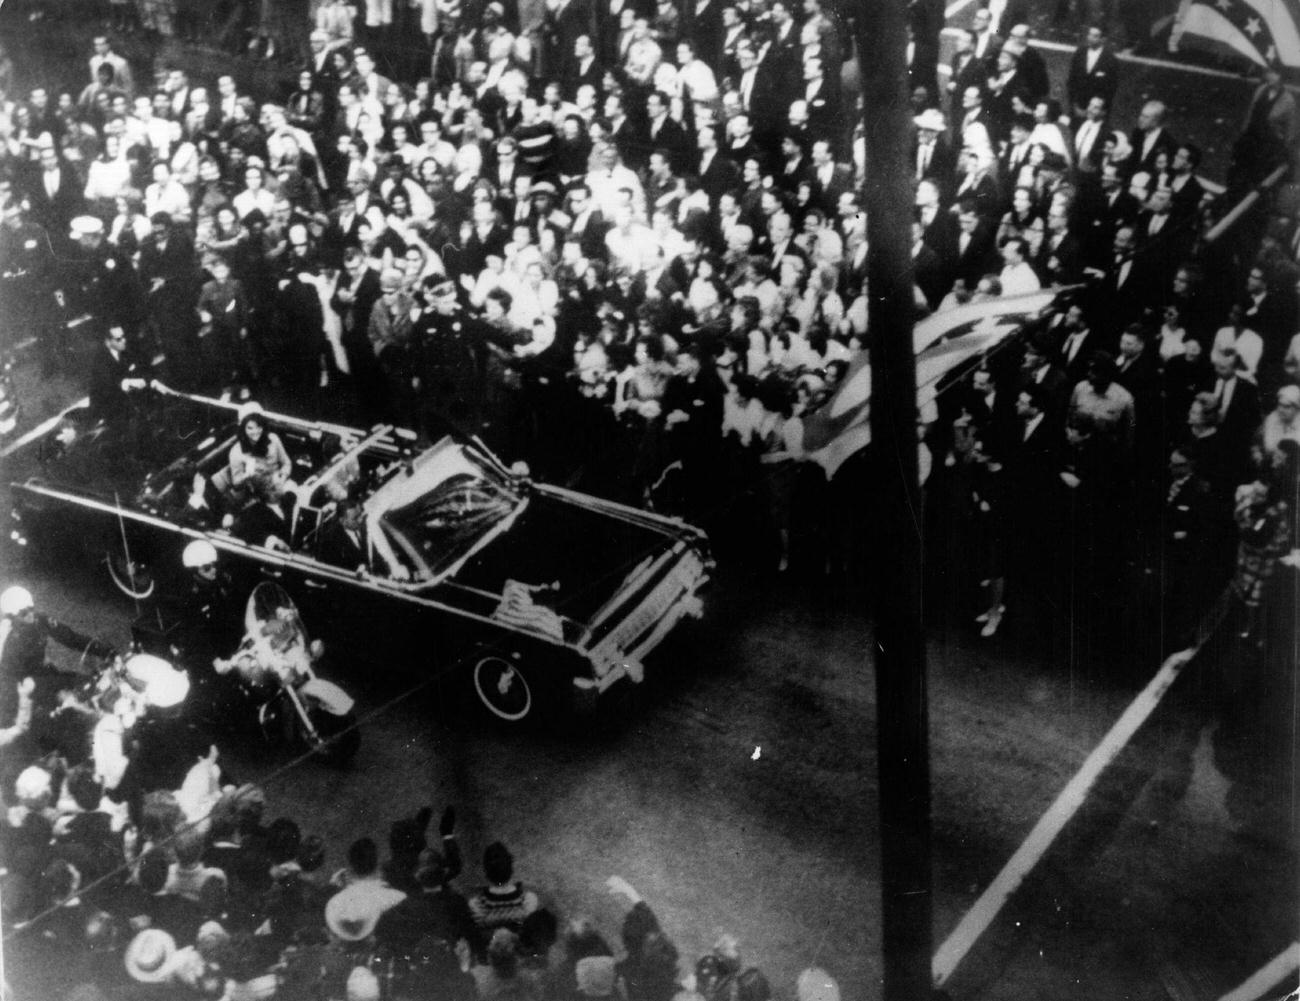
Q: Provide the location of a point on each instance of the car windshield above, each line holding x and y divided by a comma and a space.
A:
438, 528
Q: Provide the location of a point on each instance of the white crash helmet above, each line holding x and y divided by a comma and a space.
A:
158, 682
15, 600
199, 553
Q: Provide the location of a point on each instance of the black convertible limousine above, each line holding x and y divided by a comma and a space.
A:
541, 597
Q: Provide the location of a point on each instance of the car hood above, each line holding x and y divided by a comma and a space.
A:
584, 549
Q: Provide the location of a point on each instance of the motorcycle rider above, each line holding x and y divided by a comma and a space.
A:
213, 610
24, 633
211, 623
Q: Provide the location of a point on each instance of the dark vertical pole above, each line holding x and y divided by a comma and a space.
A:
901, 698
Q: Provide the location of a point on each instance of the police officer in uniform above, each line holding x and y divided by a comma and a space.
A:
451, 348
27, 269
24, 635
101, 282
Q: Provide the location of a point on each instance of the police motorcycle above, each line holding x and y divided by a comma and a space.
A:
275, 668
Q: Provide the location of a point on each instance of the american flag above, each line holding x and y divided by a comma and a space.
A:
518, 609
944, 342
1266, 32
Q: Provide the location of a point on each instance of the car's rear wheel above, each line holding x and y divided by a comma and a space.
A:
504, 688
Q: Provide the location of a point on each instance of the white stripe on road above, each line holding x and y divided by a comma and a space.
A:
978, 918
1270, 975
42, 428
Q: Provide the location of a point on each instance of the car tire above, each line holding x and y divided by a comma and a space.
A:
133, 579
505, 688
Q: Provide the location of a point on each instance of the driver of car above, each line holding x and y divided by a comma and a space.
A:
343, 540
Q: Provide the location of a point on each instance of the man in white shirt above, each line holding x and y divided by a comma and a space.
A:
694, 76
1018, 276
104, 54
1239, 341
1087, 139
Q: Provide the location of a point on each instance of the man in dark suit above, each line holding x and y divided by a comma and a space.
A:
566, 21
343, 541
703, 20
1094, 72
588, 223
1185, 190
779, 242
794, 168
1150, 137
976, 253
112, 376
735, 34
1038, 370
933, 157
662, 132
1164, 240
1105, 207
354, 298
1060, 260
1078, 343
927, 268
268, 520
1238, 399
829, 179
1032, 69
1128, 285
55, 193
717, 172
987, 42
822, 95
583, 68
1090, 137
967, 70
938, 229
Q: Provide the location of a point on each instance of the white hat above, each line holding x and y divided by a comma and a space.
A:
150, 956
86, 225
932, 119
15, 599
363, 985
352, 913
595, 976
199, 553
163, 686
816, 984
33, 782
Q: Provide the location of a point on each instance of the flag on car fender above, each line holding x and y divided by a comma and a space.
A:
518, 609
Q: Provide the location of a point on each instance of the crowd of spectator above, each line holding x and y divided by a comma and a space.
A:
625, 242
198, 896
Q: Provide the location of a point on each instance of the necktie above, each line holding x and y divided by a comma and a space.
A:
922, 160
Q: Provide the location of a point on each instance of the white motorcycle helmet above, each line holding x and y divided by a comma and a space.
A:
199, 553
160, 684
16, 600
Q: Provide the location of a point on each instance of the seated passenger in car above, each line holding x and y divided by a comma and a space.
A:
258, 456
